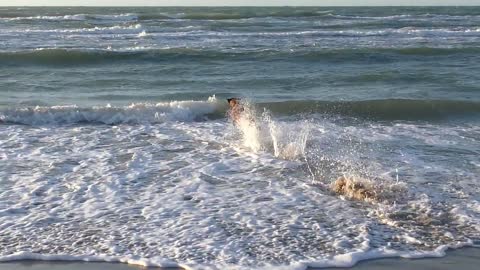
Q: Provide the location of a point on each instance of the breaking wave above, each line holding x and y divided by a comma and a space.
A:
132, 114
75, 17
137, 113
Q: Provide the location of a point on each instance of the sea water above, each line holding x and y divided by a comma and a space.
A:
115, 145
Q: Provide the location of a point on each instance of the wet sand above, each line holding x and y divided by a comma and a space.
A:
465, 259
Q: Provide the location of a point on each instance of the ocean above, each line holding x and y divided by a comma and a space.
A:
115, 143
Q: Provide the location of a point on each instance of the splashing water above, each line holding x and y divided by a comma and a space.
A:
262, 133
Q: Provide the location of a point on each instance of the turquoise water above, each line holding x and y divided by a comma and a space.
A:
115, 143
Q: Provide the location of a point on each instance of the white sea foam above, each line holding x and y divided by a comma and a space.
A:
74, 17
193, 194
109, 29
143, 34
78, 17
116, 17
126, 29
134, 113
350, 259
343, 260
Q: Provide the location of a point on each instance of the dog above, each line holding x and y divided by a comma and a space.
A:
236, 109
355, 190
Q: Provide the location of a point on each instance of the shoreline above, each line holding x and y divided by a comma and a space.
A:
466, 258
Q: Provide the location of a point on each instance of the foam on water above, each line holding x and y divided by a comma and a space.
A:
343, 260
134, 113
77, 17
103, 30
74, 17
143, 34
212, 195
473, 31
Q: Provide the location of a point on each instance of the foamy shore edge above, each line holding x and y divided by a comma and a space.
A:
34, 261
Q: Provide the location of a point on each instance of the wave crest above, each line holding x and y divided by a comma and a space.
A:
383, 109
75, 17
94, 56
132, 114
387, 109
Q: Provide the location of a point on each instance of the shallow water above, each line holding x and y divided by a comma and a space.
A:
115, 145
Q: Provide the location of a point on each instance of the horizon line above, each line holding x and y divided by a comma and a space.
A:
464, 5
